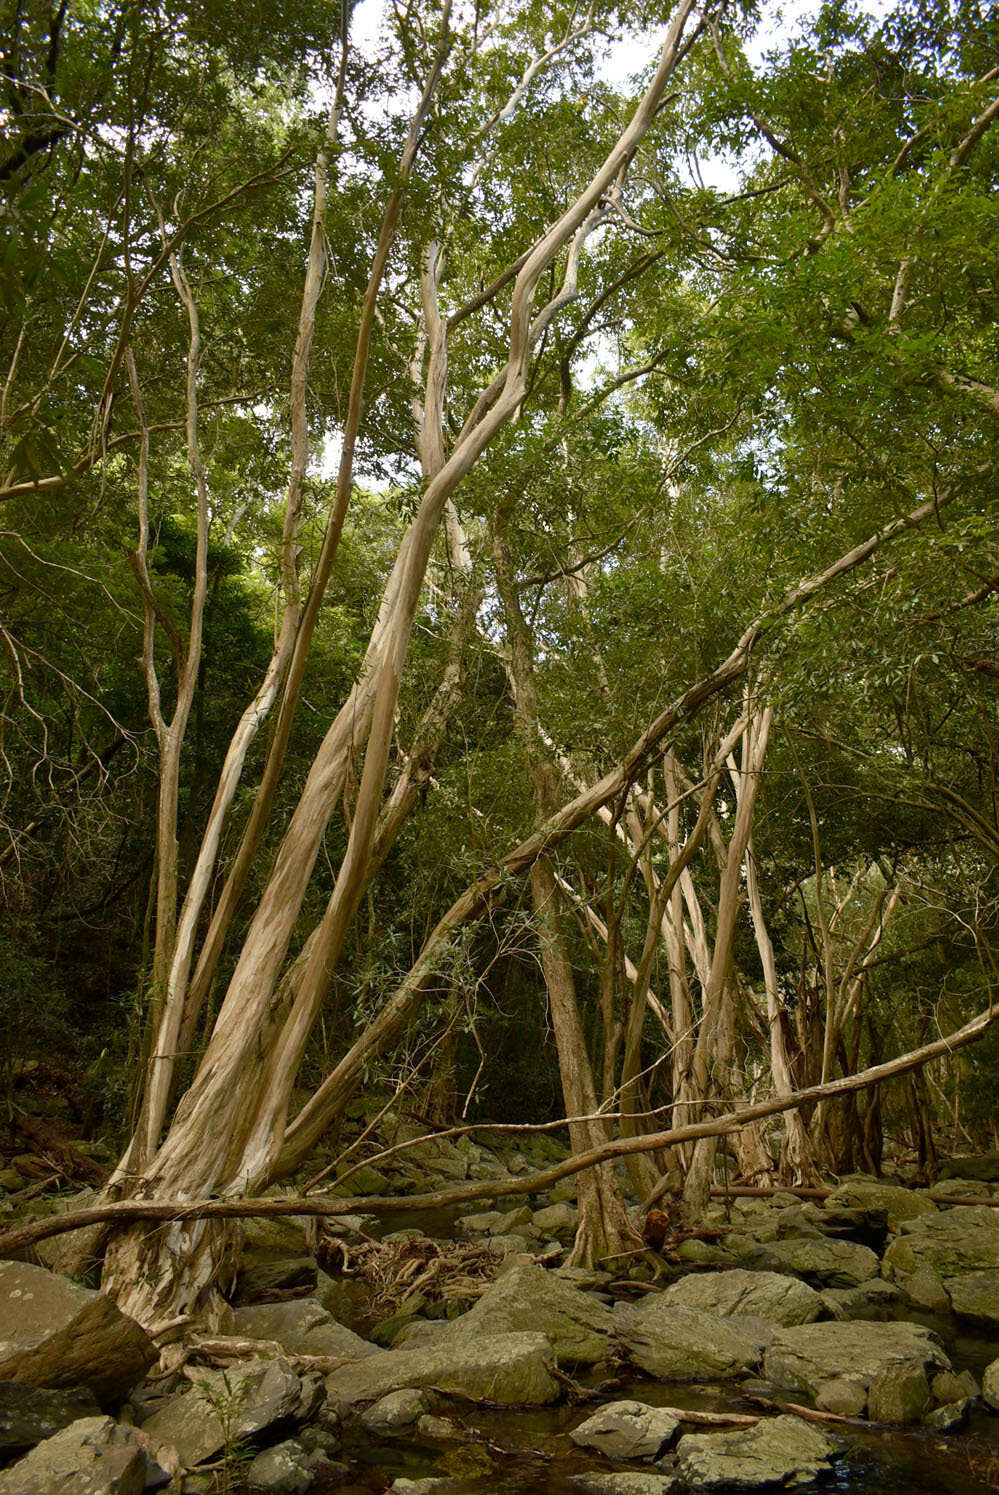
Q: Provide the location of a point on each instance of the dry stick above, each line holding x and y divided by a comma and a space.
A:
230, 1209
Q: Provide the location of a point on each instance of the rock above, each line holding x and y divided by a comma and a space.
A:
494, 1222
396, 1410
948, 1387
281, 1276
302, 1326
768, 1295
684, 1344
510, 1368
949, 1418
822, 1262
984, 1167
93, 1456
29, 1414
899, 1393
876, 1299
776, 1451
805, 1358
438, 1428
225, 1405
841, 1395
430, 1486
556, 1219
975, 1296
990, 1385
925, 1289
955, 1241
271, 1236
348, 1299
420, 1334
893, 1200
285, 1469
625, 1483
55, 1333
627, 1430
528, 1298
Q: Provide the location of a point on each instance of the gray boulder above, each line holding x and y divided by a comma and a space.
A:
767, 1295
627, 1430
54, 1333
975, 1296
399, 1409
990, 1386
557, 1219
28, 1414
285, 1469
983, 1167
894, 1201
529, 1299
808, 1357
684, 1344
823, 1262
899, 1393
955, 1241
876, 1299
223, 1406
625, 1483
514, 1369
302, 1326
777, 1451
91, 1457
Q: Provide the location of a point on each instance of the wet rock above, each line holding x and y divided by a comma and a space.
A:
302, 1326
684, 1344
510, 1368
955, 1241
804, 1359
528, 1298
975, 1296
899, 1393
893, 1200
430, 1486
626, 1483
841, 1395
285, 1469
29, 1414
225, 1405
439, 1428
55, 1333
948, 1387
627, 1430
777, 1451
396, 1410
91, 1457
822, 1262
949, 1418
990, 1385
876, 1300
767, 1295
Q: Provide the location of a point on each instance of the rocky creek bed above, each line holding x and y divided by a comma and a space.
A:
846, 1343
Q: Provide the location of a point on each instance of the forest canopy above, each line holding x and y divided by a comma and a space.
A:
498, 575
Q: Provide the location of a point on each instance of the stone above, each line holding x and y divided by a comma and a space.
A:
556, 1219
399, 1409
625, 1483
494, 1222
768, 1295
272, 1236
527, 1298
896, 1202
949, 1418
54, 1333
439, 1428
94, 1456
952, 1242
975, 1296
841, 1395
430, 1486
227, 1405
685, 1344
285, 1469
514, 1369
876, 1300
990, 1385
302, 1326
983, 1167
28, 1414
924, 1288
805, 1358
776, 1451
627, 1430
948, 1387
899, 1393
822, 1262
279, 1276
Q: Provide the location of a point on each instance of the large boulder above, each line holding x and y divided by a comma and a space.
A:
224, 1406
975, 1296
514, 1369
952, 1242
824, 1263
767, 1295
94, 1456
625, 1483
529, 1299
894, 1201
983, 1167
684, 1344
302, 1326
808, 1357
627, 1430
780, 1450
28, 1414
54, 1333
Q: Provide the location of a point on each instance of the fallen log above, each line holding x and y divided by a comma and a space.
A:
325, 1207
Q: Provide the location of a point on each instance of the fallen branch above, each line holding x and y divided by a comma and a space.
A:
224, 1349
317, 1205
